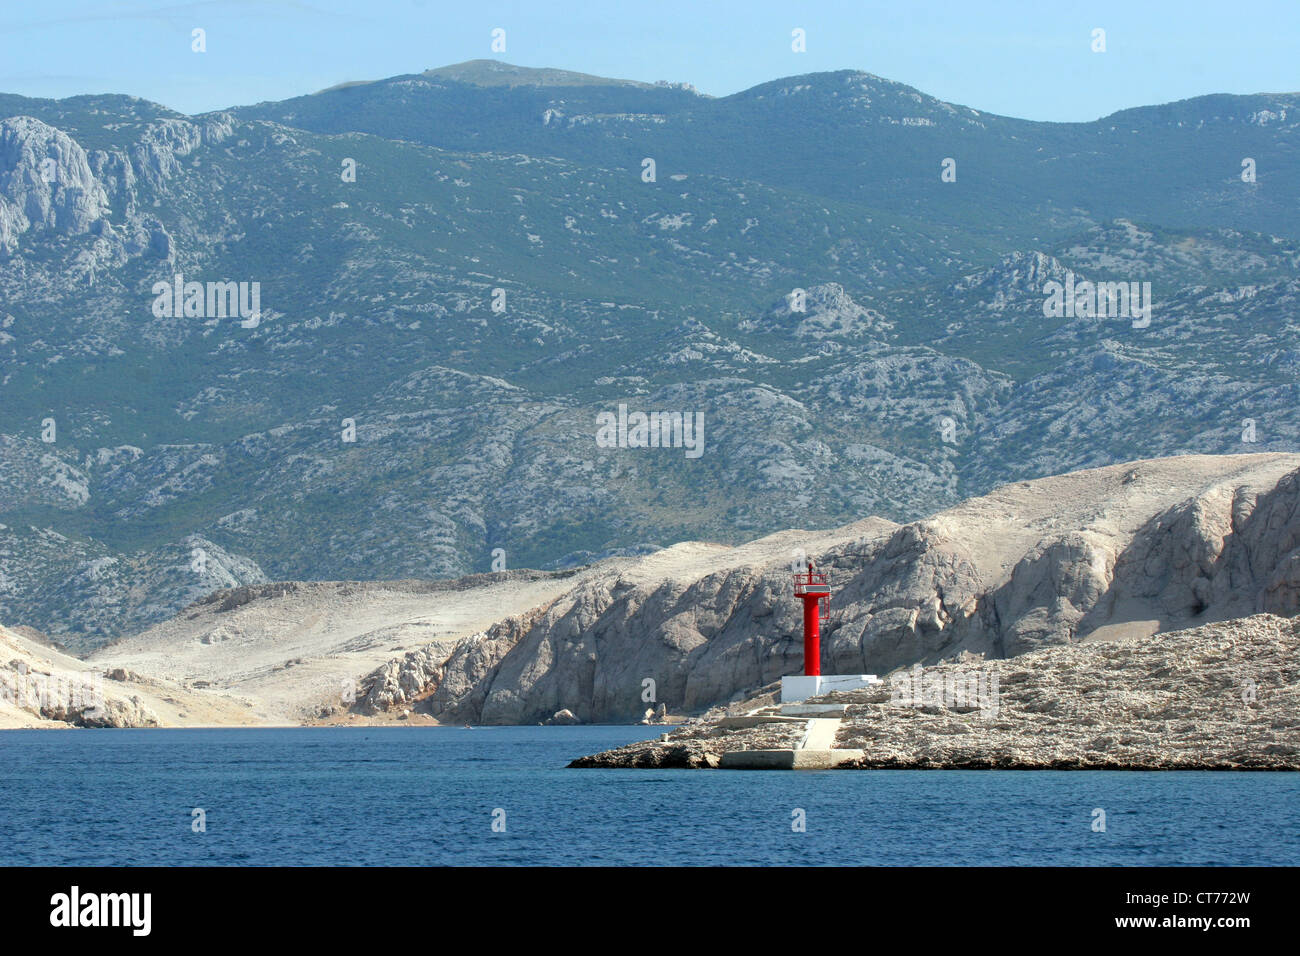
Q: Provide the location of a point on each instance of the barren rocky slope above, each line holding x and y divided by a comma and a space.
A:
1223, 696
1124, 551
42, 687
296, 650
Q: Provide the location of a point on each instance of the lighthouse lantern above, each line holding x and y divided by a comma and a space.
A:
814, 589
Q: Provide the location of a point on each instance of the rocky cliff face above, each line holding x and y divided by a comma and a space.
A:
1121, 552
40, 687
1226, 550
45, 183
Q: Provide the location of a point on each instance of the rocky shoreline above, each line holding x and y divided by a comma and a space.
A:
1223, 696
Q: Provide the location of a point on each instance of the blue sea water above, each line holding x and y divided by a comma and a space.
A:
422, 796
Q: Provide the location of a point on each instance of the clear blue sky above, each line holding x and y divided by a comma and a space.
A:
1026, 58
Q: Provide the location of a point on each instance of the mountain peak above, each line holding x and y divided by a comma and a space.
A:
499, 73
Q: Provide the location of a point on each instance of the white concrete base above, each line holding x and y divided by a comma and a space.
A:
801, 687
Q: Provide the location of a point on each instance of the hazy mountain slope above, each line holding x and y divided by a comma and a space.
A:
853, 135
146, 459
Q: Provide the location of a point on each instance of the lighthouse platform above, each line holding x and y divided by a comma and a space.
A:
800, 687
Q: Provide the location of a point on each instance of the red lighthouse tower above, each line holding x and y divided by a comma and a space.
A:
814, 589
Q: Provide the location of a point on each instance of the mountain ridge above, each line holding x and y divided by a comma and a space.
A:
137, 446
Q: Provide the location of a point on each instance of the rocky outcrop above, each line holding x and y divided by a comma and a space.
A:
162, 146
111, 712
656, 715
823, 311
463, 692
1224, 696
35, 689
49, 183
400, 683
45, 182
